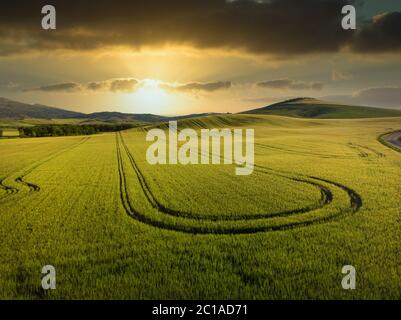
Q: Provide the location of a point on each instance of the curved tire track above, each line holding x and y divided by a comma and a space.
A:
355, 204
9, 190
326, 198
33, 187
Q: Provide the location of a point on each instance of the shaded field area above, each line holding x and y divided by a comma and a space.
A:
324, 193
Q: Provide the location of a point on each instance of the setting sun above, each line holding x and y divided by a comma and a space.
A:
151, 97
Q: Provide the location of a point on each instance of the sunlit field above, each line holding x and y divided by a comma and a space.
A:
323, 194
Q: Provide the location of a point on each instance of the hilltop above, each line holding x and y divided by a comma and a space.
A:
314, 108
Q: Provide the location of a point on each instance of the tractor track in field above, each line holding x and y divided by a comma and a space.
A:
378, 154
33, 187
9, 190
364, 151
326, 198
300, 152
356, 201
125, 199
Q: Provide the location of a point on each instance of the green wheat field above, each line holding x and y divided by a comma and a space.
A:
324, 193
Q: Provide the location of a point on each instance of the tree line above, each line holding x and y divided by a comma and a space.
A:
56, 130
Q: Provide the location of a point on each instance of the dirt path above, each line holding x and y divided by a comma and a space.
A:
394, 139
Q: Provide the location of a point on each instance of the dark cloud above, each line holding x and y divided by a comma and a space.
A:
196, 86
96, 86
382, 35
289, 84
58, 87
129, 85
389, 97
126, 85
114, 85
280, 27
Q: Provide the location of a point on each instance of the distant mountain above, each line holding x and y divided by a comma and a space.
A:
18, 110
314, 108
125, 117
144, 117
299, 107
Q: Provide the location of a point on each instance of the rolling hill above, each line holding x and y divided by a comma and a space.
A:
141, 117
18, 110
14, 110
314, 108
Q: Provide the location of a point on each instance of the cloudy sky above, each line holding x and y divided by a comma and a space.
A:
189, 56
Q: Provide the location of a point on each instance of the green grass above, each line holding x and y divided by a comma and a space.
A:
9, 132
324, 193
313, 108
29, 122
